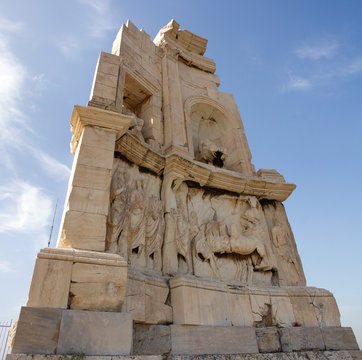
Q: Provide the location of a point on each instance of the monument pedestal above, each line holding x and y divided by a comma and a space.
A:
171, 245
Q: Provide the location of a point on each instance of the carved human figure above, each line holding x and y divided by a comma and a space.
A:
183, 244
155, 225
251, 237
137, 226
119, 206
281, 241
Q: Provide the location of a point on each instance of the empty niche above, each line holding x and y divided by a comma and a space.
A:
135, 95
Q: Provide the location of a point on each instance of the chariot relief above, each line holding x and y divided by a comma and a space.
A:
191, 230
167, 222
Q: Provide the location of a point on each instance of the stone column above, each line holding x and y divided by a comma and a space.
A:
85, 213
175, 138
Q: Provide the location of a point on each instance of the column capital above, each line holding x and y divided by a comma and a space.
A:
90, 116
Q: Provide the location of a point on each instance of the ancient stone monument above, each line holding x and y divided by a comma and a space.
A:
170, 241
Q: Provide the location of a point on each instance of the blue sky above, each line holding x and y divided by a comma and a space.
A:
294, 67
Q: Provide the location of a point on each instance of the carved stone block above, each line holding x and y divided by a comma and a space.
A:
240, 307
37, 331
97, 287
92, 177
192, 340
99, 137
83, 230
339, 338
303, 308
261, 307
88, 200
95, 156
196, 302
325, 307
282, 310
146, 298
95, 333
301, 339
268, 339
50, 283
151, 339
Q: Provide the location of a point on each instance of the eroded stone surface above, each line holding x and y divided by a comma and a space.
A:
308, 355
47, 273
146, 299
37, 331
338, 338
213, 340
268, 339
152, 339
95, 333
162, 178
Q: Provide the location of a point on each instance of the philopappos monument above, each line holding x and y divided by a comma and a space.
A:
170, 242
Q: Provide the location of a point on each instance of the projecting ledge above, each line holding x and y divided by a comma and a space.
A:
83, 116
272, 187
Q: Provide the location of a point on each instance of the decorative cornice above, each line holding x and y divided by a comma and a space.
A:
82, 256
140, 154
205, 175
192, 100
83, 116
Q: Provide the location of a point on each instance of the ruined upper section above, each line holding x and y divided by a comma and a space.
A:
183, 38
170, 90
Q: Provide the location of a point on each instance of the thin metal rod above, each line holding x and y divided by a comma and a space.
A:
51, 229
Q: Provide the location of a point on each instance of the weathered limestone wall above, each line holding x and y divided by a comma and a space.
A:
198, 231
86, 207
170, 242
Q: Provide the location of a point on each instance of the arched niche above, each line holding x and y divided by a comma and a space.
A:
213, 134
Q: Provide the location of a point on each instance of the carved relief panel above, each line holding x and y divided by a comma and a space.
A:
227, 235
290, 270
203, 232
135, 222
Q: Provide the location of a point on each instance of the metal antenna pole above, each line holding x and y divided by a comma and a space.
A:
51, 229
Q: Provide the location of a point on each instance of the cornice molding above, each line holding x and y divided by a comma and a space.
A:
205, 175
90, 116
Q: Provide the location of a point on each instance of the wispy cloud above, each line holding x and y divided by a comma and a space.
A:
98, 20
70, 46
50, 165
101, 18
297, 83
12, 79
9, 25
5, 267
323, 49
329, 66
353, 67
24, 208
15, 127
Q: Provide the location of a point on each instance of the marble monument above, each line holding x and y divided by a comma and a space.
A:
171, 243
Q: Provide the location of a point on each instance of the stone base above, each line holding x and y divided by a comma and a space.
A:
307, 355
82, 280
206, 302
196, 340
58, 331
146, 298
